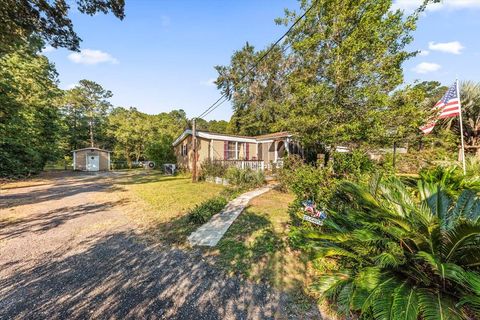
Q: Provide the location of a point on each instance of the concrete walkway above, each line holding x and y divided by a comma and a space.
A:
210, 233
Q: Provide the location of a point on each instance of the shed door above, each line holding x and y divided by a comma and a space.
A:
93, 163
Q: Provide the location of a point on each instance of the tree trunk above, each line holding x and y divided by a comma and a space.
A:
91, 133
127, 156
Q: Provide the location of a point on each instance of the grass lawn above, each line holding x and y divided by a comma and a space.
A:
165, 201
256, 247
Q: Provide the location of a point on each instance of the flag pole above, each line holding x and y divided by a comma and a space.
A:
461, 128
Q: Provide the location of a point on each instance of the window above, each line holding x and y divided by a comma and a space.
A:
231, 150
184, 150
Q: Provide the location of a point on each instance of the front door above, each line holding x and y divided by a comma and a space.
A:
93, 163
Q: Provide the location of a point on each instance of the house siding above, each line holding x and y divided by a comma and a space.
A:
183, 162
186, 162
80, 160
203, 151
218, 149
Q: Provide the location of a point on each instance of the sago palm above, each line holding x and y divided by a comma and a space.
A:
390, 253
451, 179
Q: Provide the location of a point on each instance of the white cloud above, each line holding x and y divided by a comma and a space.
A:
410, 5
71, 86
426, 67
424, 53
454, 47
209, 83
89, 56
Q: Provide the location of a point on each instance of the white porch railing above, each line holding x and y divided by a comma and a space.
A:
257, 165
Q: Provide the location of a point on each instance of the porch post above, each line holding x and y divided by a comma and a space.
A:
236, 150
276, 151
287, 145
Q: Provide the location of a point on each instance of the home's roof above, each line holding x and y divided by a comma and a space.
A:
275, 135
230, 137
214, 136
92, 148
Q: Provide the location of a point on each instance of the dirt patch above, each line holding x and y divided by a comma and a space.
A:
69, 251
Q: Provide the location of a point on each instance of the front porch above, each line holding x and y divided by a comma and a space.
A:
256, 165
269, 155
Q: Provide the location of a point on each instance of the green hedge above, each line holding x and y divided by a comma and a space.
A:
204, 211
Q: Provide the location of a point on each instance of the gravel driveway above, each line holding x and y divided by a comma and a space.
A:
68, 251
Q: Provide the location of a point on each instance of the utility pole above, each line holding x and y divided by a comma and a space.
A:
194, 142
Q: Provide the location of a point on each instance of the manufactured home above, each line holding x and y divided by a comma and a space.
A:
255, 152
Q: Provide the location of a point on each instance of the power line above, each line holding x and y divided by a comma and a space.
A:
217, 103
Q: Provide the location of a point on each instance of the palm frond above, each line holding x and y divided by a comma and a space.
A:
472, 302
332, 251
450, 271
329, 285
344, 298
383, 303
386, 259
459, 238
466, 206
361, 195
435, 306
405, 302
375, 183
437, 200
396, 196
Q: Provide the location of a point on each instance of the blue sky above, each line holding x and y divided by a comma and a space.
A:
161, 56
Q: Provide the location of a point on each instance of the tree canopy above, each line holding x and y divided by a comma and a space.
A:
29, 99
335, 79
47, 20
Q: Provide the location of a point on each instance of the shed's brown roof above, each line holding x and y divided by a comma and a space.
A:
92, 148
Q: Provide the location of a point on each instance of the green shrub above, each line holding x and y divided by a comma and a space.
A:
204, 211
390, 252
285, 174
473, 166
451, 179
211, 168
352, 164
245, 178
306, 181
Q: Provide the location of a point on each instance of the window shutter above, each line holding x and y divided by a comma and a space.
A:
247, 152
225, 150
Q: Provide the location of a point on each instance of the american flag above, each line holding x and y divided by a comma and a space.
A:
447, 107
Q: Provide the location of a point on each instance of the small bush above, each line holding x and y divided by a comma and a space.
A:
246, 178
307, 182
451, 179
204, 211
211, 168
286, 173
352, 164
